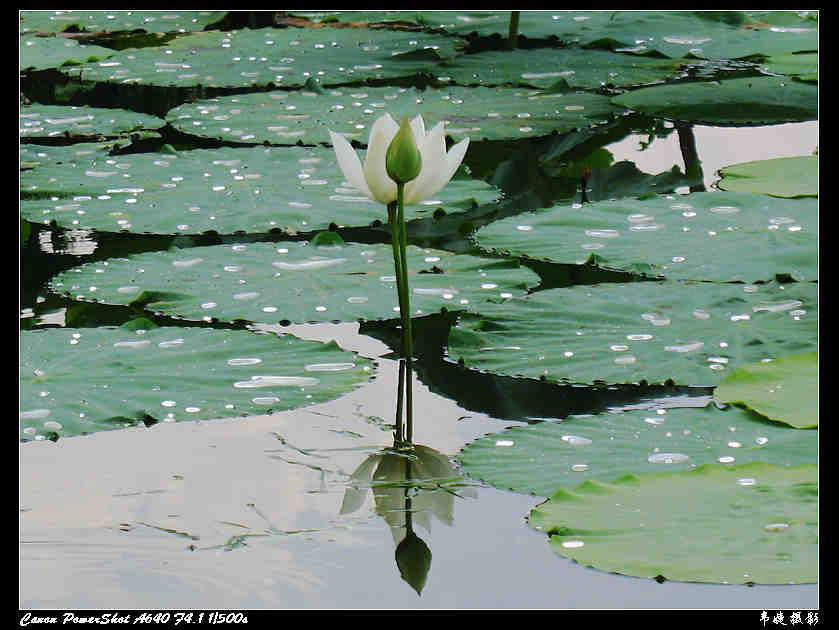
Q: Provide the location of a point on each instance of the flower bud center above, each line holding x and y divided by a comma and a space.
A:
403, 160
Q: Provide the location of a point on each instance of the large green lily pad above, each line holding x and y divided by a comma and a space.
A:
546, 67
32, 155
702, 236
171, 374
781, 177
280, 57
39, 53
225, 190
294, 281
674, 34
756, 523
784, 390
543, 457
690, 333
283, 117
49, 121
164, 21
753, 101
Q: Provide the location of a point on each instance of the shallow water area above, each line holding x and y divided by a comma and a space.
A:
720, 146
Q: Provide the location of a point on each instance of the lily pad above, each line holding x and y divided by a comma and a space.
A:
283, 117
781, 177
171, 374
804, 67
40, 53
674, 34
690, 333
254, 189
750, 524
112, 21
32, 155
753, 101
294, 281
545, 67
543, 457
701, 236
785, 390
49, 121
280, 57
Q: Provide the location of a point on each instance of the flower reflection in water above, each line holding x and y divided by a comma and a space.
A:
409, 485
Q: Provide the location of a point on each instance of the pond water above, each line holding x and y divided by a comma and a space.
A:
247, 513
721, 146
225, 514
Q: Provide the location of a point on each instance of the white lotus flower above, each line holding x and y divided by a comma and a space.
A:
372, 179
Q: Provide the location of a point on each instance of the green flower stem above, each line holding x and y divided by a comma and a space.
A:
395, 236
398, 436
513, 31
399, 237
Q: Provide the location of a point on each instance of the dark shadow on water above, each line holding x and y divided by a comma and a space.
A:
507, 397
